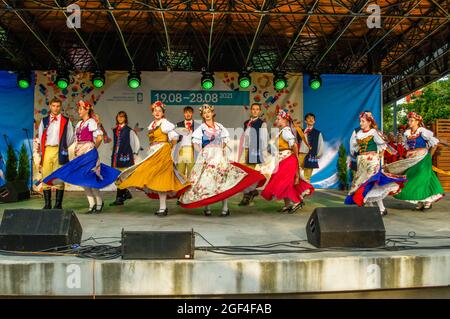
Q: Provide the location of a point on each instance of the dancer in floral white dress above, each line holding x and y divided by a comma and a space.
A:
214, 178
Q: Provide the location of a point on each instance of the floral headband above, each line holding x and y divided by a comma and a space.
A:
159, 104
86, 105
416, 116
366, 115
285, 114
205, 107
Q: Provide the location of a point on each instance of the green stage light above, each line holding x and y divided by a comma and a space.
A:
134, 79
62, 79
98, 79
279, 80
24, 79
207, 80
244, 80
315, 82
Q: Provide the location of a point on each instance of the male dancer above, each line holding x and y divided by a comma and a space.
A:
126, 146
186, 158
308, 157
255, 142
56, 134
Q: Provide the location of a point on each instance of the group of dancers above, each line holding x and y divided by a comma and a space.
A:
202, 173
409, 174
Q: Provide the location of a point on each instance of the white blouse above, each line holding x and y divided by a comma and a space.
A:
219, 130
287, 135
92, 125
377, 138
426, 134
166, 127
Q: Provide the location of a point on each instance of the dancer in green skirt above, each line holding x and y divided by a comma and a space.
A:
423, 187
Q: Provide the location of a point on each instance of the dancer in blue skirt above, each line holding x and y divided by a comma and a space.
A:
85, 169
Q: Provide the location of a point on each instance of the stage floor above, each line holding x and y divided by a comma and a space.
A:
209, 273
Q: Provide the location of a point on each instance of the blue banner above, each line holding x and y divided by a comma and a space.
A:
187, 97
337, 105
17, 119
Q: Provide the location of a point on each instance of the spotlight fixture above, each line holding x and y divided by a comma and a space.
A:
244, 79
62, 79
279, 80
207, 80
314, 81
134, 79
98, 79
24, 79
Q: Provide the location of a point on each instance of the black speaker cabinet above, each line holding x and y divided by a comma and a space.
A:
38, 229
348, 226
14, 192
158, 244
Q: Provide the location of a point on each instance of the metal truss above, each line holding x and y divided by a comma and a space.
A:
326, 36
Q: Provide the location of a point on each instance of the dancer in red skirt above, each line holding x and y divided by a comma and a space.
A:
285, 182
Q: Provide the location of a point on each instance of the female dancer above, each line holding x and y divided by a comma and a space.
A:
285, 182
156, 174
214, 178
85, 169
423, 187
371, 184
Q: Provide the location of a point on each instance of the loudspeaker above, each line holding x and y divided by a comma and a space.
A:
38, 229
14, 191
158, 244
346, 227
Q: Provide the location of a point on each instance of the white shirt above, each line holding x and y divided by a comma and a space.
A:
187, 140
377, 138
263, 135
53, 132
304, 149
166, 127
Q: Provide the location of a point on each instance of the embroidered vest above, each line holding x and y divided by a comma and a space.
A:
122, 155
63, 152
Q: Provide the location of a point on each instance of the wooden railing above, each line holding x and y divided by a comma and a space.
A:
441, 128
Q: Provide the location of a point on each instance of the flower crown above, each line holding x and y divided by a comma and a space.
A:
414, 115
158, 104
205, 107
285, 114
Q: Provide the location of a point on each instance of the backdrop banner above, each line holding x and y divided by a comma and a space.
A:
17, 119
337, 105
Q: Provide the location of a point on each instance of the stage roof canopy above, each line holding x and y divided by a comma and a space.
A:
410, 48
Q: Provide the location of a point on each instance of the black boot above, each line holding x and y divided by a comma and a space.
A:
127, 194
59, 199
120, 198
47, 199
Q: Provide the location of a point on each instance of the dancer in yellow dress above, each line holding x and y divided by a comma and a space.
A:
156, 174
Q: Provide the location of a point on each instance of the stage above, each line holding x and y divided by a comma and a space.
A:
230, 275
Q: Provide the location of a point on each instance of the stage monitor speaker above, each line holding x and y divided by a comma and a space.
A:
348, 226
38, 229
158, 244
14, 192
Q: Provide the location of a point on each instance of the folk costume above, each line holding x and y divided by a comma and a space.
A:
253, 143
282, 183
156, 175
370, 183
126, 146
55, 136
308, 157
85, 169
185, 150
214, 178
423, 186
